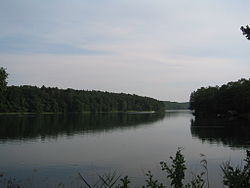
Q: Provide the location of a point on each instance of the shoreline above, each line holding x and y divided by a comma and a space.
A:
87, 112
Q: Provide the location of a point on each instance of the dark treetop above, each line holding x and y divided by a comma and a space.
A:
3, 79
246, 31
33, 99
231, 98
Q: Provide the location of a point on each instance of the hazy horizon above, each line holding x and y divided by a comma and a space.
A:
161, 49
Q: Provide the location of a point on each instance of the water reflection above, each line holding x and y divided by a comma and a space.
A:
234, 133
177, 113
50, 126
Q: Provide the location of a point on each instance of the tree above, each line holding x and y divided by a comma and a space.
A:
3, 79
246, 31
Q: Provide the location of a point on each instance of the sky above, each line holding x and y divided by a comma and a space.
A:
157, 48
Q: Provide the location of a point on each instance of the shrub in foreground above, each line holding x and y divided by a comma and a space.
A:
233, 177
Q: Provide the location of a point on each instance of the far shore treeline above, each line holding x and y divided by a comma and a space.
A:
32, 99
230, 99
176, 105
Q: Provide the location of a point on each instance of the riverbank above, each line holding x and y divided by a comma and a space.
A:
86, 112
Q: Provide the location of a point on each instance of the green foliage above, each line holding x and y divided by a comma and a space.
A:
176, 172
230, 98
47, 99
176, 105
3, 79
151, 183
197, 182
8, 182
233, 177
125, 181
237, 177
246, 31
38, 100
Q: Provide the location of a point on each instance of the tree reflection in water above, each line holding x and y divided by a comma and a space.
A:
25, 127
232, 132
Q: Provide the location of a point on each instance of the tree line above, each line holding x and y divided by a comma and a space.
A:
33, 99
230, 98
176, 105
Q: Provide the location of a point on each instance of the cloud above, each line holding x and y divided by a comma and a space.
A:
162, 48
37, 45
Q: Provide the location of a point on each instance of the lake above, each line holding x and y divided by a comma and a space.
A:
45, 150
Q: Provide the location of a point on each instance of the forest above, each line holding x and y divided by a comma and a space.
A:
232, 98
176, 105
32, 99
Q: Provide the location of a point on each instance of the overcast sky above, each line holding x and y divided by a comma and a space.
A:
158, 48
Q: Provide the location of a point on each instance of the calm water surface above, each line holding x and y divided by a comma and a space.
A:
42, 151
